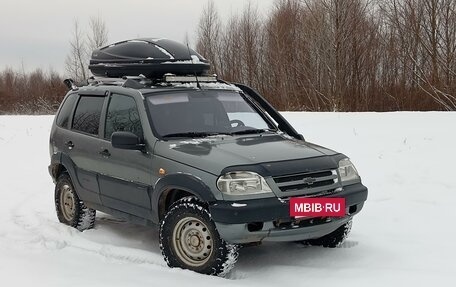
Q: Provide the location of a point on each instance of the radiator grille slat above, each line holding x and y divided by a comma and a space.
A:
306, 181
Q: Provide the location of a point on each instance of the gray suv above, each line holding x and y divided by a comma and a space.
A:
211, 164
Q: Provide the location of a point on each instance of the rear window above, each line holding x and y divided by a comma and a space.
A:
87, 115
67, 107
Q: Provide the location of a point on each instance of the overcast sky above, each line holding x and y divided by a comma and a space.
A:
36, 33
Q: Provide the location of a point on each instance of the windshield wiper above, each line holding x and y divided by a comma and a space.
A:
191, 135
207, 134
252, 131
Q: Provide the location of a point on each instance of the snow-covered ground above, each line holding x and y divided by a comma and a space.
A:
405, 235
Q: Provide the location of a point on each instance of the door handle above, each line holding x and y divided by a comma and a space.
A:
69, 144
105, 153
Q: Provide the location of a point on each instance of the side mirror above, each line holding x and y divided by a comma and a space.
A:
126, 140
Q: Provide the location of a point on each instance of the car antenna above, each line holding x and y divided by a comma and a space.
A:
191, 59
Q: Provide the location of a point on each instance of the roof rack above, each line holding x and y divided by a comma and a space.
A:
171, 78
138, 82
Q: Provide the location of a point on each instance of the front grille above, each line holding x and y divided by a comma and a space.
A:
313, 181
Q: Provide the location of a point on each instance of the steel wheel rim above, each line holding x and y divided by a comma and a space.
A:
192, 241
67, 202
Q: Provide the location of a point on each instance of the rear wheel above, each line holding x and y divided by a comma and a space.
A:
70, 209
190, 240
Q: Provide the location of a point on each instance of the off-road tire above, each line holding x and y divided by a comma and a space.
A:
333, 239
222, 255
70, 209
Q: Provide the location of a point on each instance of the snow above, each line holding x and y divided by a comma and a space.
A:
194, 60
158, 39
404, 236
138, 41
238, 204
205, 85
198, 141
164, 52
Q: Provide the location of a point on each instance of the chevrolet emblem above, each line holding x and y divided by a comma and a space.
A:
309, 180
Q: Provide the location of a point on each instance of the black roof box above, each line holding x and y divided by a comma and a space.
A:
149, 57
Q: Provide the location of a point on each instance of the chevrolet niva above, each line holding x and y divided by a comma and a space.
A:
211, 164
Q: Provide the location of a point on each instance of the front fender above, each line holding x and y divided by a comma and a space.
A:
182, 181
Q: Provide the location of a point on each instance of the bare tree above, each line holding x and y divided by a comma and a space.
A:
250, 32
81, 46
425, 32
35, 92
98, 35
76, 61
208, 42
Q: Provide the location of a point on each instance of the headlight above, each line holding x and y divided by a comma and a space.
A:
347, 170
242, 183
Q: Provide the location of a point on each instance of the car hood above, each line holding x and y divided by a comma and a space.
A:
258, 152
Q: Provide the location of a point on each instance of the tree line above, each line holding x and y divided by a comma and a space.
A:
40, 92
311, 55
36, 92
339, 55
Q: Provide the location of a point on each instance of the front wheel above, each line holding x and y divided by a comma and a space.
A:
190, 240
333, 239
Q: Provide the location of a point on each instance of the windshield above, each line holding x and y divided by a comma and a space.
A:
204, 113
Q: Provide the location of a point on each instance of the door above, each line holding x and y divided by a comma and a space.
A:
81, 144
126, 174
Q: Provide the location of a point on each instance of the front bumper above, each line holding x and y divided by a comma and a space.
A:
268, 219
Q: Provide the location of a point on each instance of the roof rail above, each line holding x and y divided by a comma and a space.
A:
171, 78
138, 82
95, 81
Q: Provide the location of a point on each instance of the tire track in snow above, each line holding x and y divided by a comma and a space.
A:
52, 235
46, 233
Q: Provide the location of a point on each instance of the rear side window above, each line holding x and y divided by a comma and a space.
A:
122, 116
87, 115
67, 107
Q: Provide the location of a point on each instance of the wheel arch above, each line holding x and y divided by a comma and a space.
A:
61, 163
56, 170
174, 187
